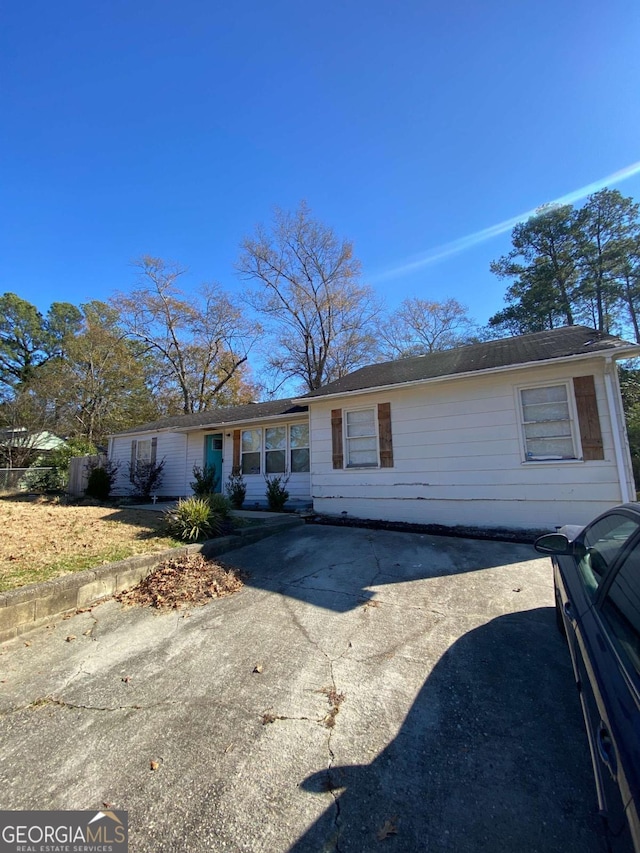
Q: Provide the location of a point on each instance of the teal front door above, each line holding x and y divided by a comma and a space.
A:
213, 456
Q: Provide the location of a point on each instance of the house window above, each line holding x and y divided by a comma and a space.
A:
546, 421
143, 451
299, 443
250, 450
361, 439
275, 449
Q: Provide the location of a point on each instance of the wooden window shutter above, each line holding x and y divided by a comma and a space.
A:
236, 451
132, 466
336, 438
154, 450
384, 435
588, 418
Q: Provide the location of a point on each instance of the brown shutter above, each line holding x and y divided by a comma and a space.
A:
132, 466
236, 451
154, 450
336, 438
384, 435
588, 418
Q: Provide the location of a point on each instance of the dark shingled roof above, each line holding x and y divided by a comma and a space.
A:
508, 352
220, 417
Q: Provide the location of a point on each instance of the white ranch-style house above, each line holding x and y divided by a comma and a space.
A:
524, 432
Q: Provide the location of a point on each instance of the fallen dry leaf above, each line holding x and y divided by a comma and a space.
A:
388, 828
154, 765
190, 580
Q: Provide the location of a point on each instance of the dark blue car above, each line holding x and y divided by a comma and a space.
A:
597, 586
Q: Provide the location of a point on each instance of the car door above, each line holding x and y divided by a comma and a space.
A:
582, 582
617, 611
601, 690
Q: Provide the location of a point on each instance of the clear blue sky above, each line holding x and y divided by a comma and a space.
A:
134, 127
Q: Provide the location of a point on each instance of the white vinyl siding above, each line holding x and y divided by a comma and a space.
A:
361, 438
298, 486
171, 447
458, 456
547, 423
181, 451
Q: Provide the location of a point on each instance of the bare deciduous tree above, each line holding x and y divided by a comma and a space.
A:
24, 420
200, 340
421, 326
320, 315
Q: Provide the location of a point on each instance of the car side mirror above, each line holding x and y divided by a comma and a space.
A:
554, 543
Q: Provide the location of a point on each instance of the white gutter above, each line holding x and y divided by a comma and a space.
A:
624, 352
618, 429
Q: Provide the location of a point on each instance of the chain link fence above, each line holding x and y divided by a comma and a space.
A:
14, 480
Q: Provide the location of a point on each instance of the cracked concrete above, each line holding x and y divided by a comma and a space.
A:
363, 681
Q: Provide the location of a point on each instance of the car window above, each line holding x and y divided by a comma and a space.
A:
621, 607
601, 543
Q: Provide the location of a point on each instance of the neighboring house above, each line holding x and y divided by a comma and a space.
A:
519, 432
19, 447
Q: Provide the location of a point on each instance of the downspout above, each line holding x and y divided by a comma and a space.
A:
618, 429
186, 463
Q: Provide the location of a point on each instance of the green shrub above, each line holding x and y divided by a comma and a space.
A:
57, 461
205, 480
220, 505
193, 519
47, 482
98, 484
146, 477
277, 494
236, 489
101, 479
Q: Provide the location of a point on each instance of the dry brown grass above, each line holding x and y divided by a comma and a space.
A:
42, 538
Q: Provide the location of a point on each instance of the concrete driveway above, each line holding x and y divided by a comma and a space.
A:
412, 694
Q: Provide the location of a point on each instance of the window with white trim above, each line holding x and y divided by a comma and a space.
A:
143, 450
275, 449
547, 426
250, 450
278, 449
299, 448
361, 439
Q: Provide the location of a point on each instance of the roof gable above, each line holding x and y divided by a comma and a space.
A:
491, 355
